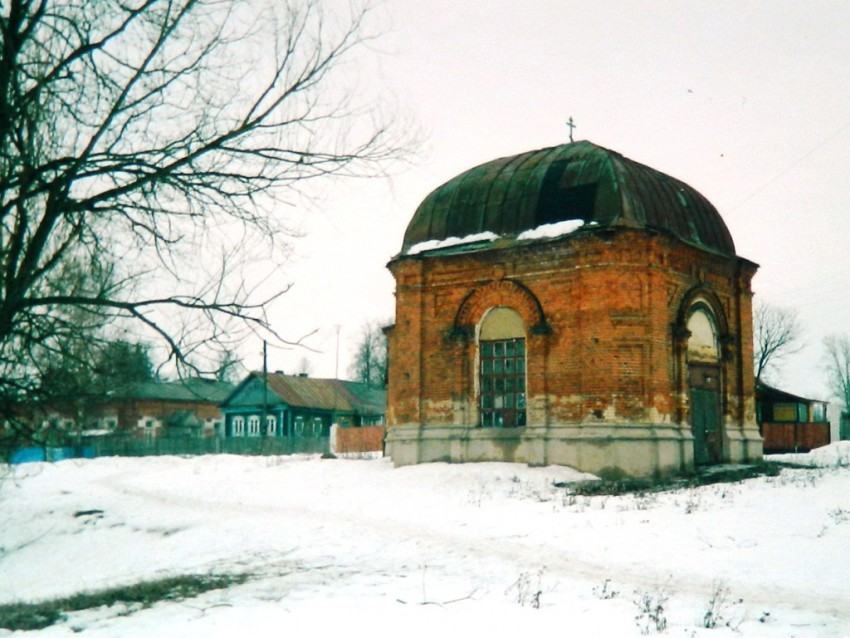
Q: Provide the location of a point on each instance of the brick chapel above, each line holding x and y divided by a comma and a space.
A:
571, 306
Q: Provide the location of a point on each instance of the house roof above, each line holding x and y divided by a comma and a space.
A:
196, 389
334, 395
764, 391
578, 181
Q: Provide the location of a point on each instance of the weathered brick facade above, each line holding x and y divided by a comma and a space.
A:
605, 313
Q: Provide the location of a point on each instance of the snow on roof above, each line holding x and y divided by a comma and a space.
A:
548, 231
434, 244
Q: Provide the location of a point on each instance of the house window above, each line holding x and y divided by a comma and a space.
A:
818, 412
253, 425
785, 412
271, 425
317, 427
238, 426
298, 427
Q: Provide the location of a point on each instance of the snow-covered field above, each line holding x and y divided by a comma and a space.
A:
339, 547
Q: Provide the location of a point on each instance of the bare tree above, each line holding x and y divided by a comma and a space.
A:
304, 367
838, 368
777, 333
229, 367
148, 146
370, 359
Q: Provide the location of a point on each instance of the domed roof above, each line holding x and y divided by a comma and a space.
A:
577, 181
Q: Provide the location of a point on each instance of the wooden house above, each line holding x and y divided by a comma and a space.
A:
296, 405
789, 423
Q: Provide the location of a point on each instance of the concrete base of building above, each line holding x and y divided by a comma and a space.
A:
608, 451
743, 445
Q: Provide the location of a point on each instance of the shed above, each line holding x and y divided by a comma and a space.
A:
790, 423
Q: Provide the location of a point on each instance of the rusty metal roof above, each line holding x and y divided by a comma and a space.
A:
579, 180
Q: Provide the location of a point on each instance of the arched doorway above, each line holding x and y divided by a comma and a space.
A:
704, 386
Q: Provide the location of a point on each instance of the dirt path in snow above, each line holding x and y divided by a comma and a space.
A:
337, 542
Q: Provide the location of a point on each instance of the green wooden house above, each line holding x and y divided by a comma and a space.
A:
299, 406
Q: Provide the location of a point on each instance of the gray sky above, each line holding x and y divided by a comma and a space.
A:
748, 102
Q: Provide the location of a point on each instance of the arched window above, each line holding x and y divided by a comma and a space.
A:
501, 372
702, 342
253, 425
271, 425
238, 426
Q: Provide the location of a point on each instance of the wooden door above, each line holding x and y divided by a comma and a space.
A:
706, 419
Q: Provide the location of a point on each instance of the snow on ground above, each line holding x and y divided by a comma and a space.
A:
357, 546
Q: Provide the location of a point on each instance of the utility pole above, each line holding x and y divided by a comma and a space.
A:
336, 369
264, 424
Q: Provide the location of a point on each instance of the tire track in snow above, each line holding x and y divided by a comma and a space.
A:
364, 544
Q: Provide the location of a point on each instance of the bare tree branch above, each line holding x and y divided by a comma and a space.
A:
838, 368
146, 150
777, 333
370, 360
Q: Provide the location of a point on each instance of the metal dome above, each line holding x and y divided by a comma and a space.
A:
573, 181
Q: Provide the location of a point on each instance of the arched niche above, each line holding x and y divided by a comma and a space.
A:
704, 383
703, 342
501, 322
504, 293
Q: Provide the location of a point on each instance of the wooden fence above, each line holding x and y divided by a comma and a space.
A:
794, 437
357, 440
255, 446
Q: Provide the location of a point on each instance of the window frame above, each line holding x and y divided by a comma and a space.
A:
502, 382
786, 412
237, 427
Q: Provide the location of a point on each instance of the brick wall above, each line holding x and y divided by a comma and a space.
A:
601, 312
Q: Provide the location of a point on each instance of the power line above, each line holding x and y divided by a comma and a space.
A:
800, 159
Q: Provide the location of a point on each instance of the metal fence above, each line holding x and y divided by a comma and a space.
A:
251, 446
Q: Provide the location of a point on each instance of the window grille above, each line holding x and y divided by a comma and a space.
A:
502, 383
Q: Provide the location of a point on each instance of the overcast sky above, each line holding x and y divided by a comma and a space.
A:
748, 102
